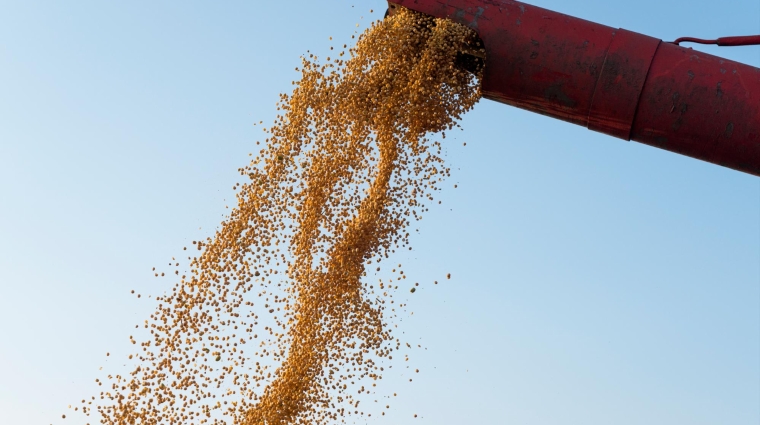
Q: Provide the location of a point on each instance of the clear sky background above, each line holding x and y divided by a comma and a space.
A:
594, 281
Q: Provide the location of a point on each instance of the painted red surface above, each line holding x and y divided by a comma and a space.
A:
614, 81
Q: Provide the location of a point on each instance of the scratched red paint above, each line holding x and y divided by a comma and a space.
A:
618, 82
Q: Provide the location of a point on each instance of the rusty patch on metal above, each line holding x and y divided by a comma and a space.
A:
554, 93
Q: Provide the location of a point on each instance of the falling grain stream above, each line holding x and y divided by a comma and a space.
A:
347, 166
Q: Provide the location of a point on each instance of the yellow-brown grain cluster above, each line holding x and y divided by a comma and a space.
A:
277, 322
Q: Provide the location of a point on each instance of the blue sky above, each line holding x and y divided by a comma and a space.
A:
594, 281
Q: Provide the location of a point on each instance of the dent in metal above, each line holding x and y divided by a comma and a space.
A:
729, 130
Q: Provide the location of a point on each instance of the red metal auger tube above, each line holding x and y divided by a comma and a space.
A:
621, 83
